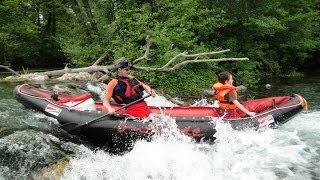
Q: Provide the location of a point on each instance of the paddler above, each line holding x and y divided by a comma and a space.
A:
125, 88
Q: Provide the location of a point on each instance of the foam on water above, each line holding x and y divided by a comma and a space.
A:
158, 101
97, 89
169, 156
249, 154
270, 154
202, 102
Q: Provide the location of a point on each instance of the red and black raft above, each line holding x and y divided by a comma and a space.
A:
76, 112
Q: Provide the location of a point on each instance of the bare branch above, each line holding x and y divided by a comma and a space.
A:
146, 53
205, 53
185, 54
9, 69
148, 44
103, 56
174, 58
179, 65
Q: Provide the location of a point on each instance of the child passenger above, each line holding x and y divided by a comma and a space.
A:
227, 96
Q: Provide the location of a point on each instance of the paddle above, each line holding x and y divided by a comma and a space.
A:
77, 129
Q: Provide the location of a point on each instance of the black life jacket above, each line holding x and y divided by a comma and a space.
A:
127, 90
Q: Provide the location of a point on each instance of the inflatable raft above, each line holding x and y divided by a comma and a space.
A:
80, 115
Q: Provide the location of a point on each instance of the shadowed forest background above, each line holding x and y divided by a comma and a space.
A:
280, 37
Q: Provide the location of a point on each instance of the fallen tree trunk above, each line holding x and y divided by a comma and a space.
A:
89, 69
184, 59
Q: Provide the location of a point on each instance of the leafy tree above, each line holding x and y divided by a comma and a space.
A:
277, 36
27, 33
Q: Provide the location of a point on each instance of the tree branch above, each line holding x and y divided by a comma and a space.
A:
174, 58
146, 53
102, 57
186, 55
9, 69
179, 65
205, 53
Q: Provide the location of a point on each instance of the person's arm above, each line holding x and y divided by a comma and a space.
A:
148, 89
242, 108
108, 95
145, 87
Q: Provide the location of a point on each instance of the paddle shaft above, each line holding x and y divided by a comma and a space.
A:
123, 107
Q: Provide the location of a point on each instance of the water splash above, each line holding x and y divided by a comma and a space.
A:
202, 102
159, 101
248, 154
269, 154
98, 88
171, 155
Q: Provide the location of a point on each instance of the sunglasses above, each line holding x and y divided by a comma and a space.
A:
126, 69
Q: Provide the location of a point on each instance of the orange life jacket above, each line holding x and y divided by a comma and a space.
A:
221, 90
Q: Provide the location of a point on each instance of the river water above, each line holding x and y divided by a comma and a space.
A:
29, 149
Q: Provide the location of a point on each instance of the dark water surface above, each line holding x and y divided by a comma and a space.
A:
29, 149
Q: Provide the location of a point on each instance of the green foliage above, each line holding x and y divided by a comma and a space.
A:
277, 36
25, 39
187, 81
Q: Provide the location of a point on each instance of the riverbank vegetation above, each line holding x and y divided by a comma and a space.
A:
279, 37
